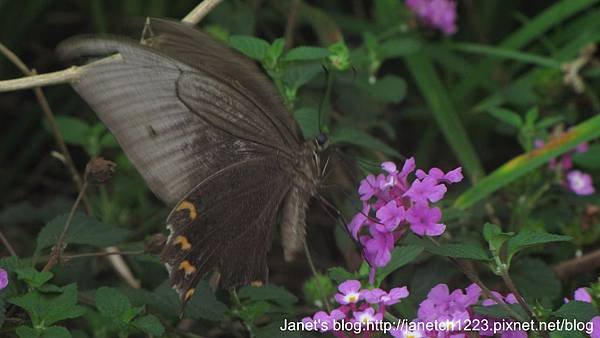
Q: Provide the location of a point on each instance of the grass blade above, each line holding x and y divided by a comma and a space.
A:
505, 53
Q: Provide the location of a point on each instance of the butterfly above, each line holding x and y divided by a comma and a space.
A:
212, 138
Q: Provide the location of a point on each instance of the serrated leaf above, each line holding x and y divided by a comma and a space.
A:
389, 89
83, 230
535, 279
150, 325
73, 130
527, 238
268, 292
272, 330
308, 119
111, 303
48, 309
340, 274
581, 311
34, 278
360, 138
306, 53
26, 332
459, 250
251, 46
56, 332
506, 116
495, 237
401, 256
252, 311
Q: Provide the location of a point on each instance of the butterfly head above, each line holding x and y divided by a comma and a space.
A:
322, 142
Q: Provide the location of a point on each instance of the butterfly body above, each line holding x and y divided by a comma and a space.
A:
212, 138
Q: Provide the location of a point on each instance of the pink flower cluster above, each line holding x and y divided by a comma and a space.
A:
391, 205
577, 181
440, 14
357, 305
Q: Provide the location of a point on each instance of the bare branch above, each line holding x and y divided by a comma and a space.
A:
200, 11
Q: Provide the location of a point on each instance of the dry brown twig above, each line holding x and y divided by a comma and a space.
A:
35, 81
72, 73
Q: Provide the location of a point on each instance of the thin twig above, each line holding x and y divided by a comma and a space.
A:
316, 274
7, 244
200, 11
60, 245
290, 27
511, 286
103, 253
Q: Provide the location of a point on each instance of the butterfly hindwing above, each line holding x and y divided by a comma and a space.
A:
225, 226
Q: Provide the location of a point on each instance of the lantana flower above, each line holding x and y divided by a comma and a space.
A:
3, 279
440, 14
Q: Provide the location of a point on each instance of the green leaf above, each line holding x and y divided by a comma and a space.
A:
251, 46
389, 89
273, 53
499, 311
268, 292
111, 303
73, 130
397, 47
150, 325
495, 237
506, 116
26, 332
340, 55
83, 230
34, 278
272, 330
590, 159
506, 53
340, 274
535, 279
360, 138
440, 104
48, 309
297, 75
401, 256
523, 164
462, 250
308, 119
56, 332
306, 53
527, 238
581, 311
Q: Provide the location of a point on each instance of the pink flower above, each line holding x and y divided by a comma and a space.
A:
368, 187
323, 321
378, 296
425, 221
359, 220
583, 295
398, 333
580, 183
595, 327
378, 247
390, 216
349, 292
3, 279
440, 14
426, 189
367, 316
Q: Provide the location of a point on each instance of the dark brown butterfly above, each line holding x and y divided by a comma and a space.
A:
212, 138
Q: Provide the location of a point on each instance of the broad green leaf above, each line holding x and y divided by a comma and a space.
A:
306, 53
590, 159
268, 292
73, 130
297, 75
83, 230
397, 47
535, 280
340, 274
273, 53
401, 256
442, 108
495, 237
527, 162
56, 332
150, 325
250, 312
26, 332
308, 119
462, 250
527, 238
251, 46
389, 89
272, 330
34, 278
499, 311
506, 116
581, 311
111, 303
49, 309
360, 138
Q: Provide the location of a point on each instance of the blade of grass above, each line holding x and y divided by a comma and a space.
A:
522, 164
550, 17
505, 53
439, 102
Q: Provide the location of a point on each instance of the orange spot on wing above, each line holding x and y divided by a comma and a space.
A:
185, 244
188, 294
187, 205
187, 267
